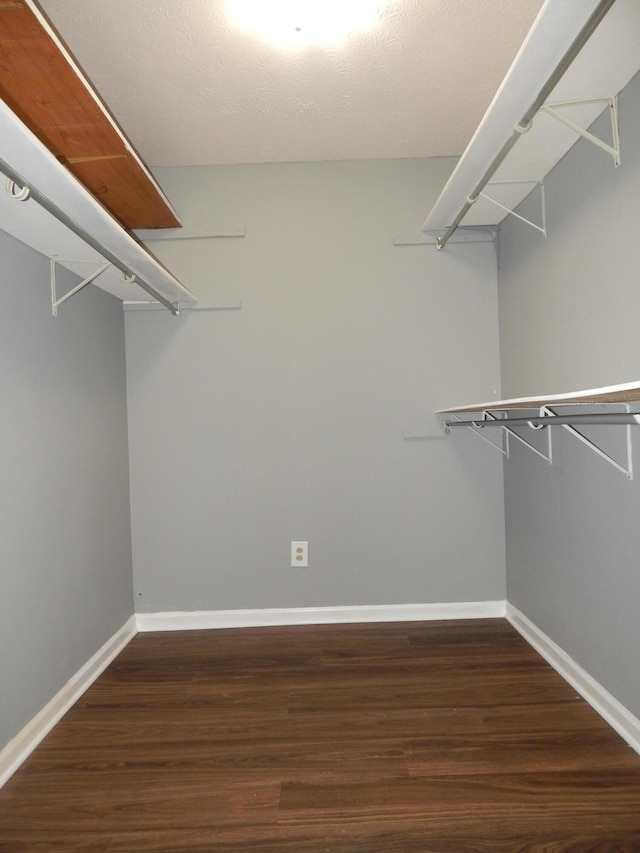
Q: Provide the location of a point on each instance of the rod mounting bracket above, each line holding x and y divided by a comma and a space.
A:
542, 228
612, 102
55, 302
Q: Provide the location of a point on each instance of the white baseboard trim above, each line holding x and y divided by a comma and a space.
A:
618, 717
22, 745
207, 619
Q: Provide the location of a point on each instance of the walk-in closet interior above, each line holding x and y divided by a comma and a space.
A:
424, 370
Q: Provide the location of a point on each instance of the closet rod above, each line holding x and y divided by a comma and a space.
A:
539, 421
62, 217
525, 122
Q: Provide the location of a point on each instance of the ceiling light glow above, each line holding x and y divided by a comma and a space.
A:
297, 23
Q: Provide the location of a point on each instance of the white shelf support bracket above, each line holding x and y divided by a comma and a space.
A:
614, 148
625, 469
503, 447
55, 302
542, 228
491, 419
548, 456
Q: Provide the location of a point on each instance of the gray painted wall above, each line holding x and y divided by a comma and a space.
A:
65, 547
284, 420
568, 303
568, 320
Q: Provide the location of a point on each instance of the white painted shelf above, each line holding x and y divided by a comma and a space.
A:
624, 393
614, 404
22, 154
601, 70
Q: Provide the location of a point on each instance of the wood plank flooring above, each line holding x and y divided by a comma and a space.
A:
385, 738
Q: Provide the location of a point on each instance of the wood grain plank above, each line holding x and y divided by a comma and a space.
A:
612, 394
55, 101
591, 795
517, 753
350, 739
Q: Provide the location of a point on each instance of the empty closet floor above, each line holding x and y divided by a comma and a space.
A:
407, 737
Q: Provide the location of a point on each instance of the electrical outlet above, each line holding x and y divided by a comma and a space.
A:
300, 554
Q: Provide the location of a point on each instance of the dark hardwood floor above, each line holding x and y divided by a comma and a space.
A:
386, 738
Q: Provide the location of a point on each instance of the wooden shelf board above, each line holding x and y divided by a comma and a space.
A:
626, 393
46, 89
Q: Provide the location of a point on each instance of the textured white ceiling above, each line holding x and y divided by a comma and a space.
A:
189, 89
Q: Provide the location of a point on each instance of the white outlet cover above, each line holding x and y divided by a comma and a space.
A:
300, 554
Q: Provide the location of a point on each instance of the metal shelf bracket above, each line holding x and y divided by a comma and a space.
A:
627, 469
548, 417
614, 148
475, 428
548, 456
55, 302
542, 228
174, 307
491, 419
